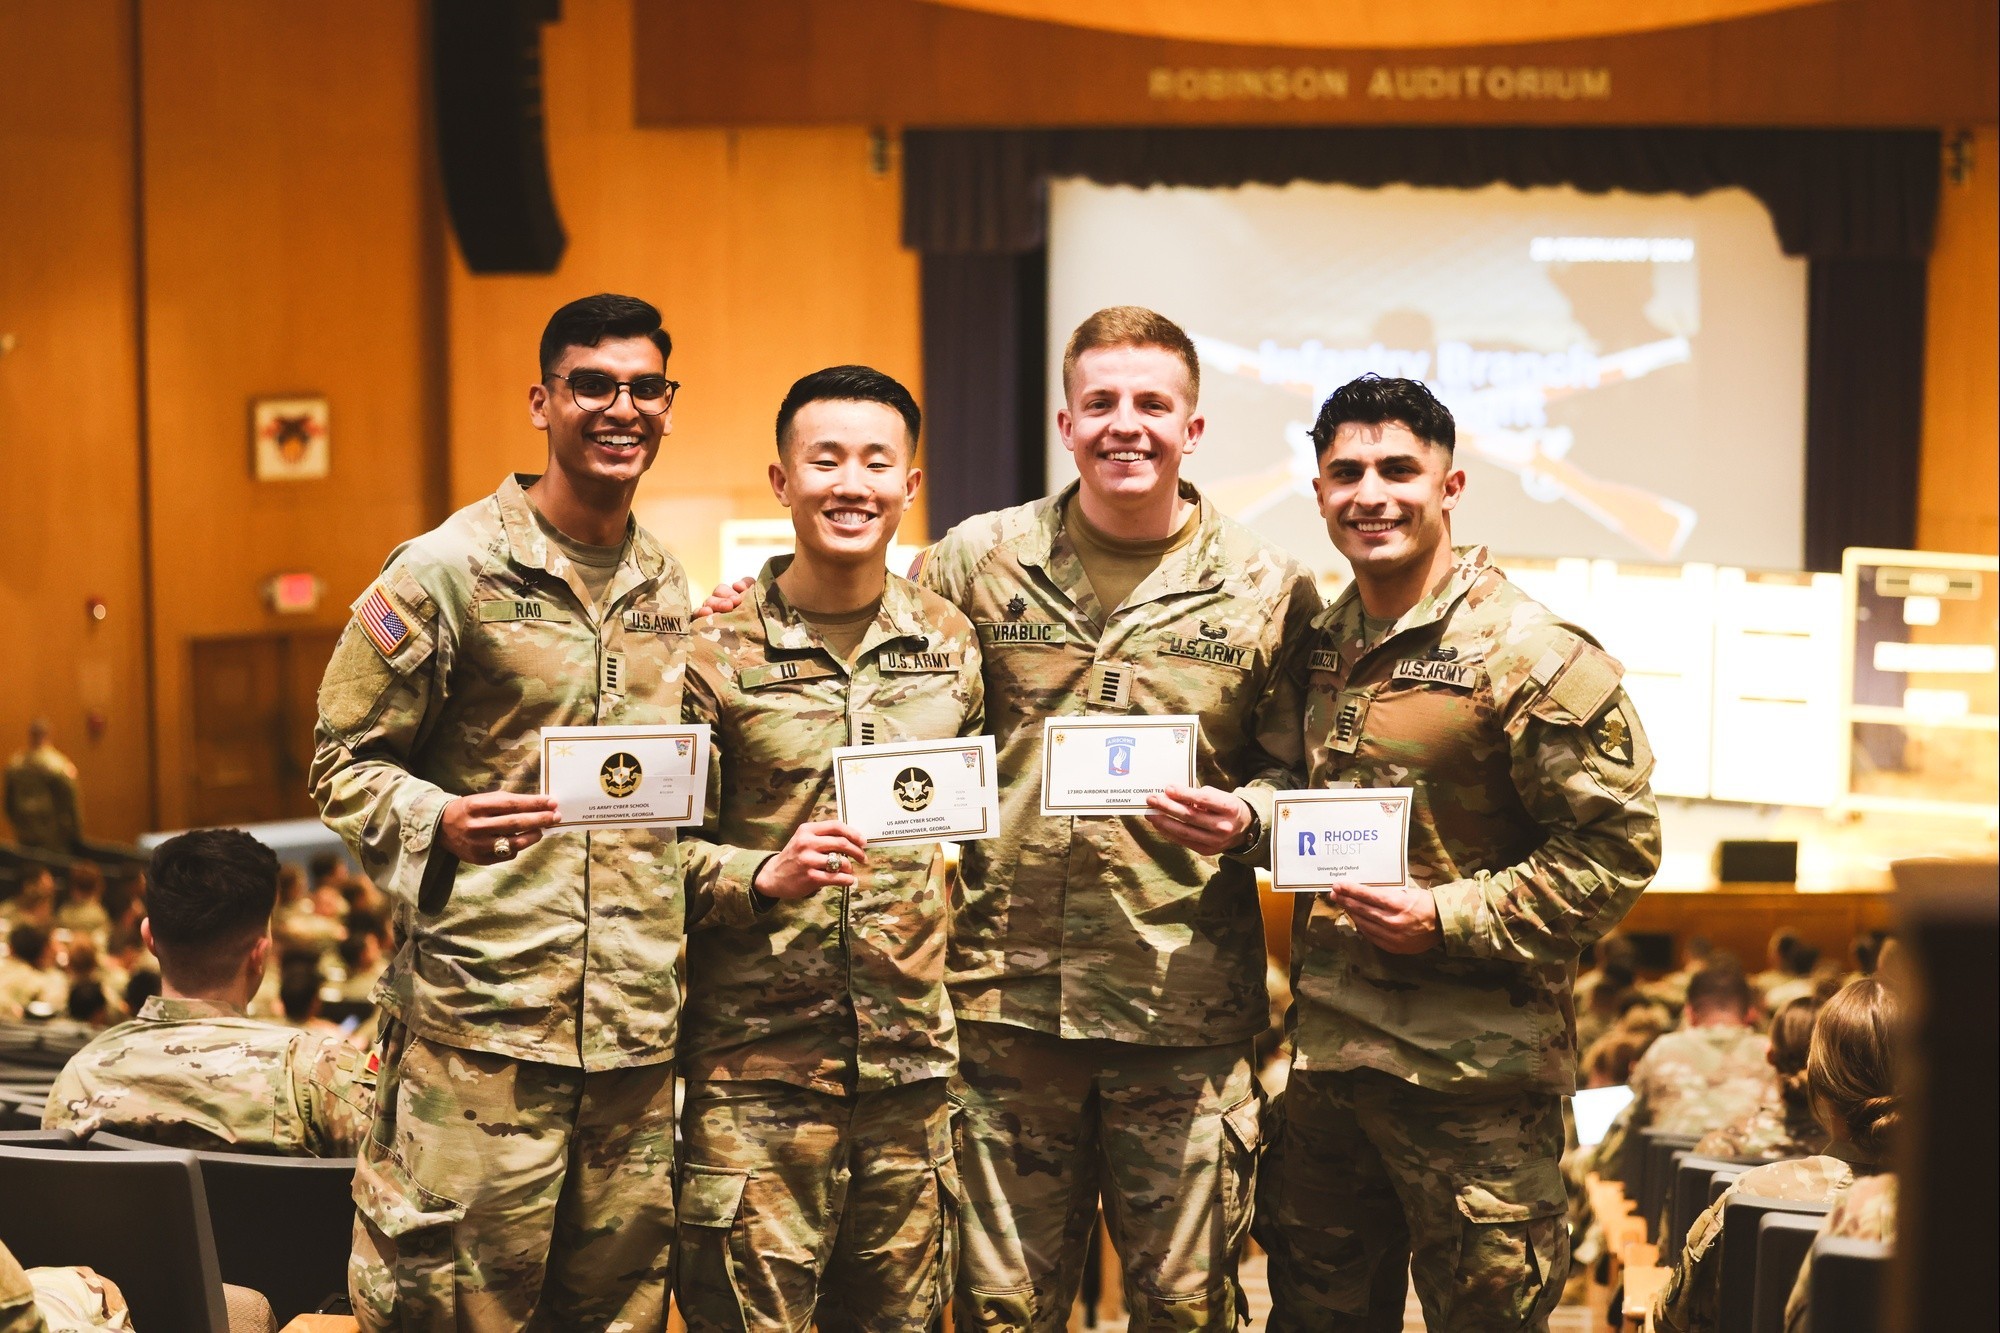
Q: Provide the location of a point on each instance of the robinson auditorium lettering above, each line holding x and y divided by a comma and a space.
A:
1384, 83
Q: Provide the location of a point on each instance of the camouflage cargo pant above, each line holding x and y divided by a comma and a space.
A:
1368, 1177
1168, 1135
499, 1194
801, 1209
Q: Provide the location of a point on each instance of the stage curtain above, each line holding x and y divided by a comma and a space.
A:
1861, 205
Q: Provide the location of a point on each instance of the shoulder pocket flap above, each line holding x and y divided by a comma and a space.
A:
711, 1197
1536, 1190
1587, 683
387, 1195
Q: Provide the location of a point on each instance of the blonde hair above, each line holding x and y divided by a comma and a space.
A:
1851, 1069
1132, 326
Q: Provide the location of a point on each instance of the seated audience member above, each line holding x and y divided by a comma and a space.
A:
298, 925
1612, 982
1790, 974
192, 1070
1865, 952
1850, 1080
80, 910
88, 1004
328, 870
143, 986
85, 965
31, 985
57, 1300
1702, 1076
299, 983
1671, 990
34, 904
1867, 1211
362, 957
1782, 1125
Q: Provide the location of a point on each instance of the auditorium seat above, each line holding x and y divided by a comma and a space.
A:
1783, 1241
1742, 1220
283, 1225
1656, 1171
140, 1218
1848, 1279
1688, 1196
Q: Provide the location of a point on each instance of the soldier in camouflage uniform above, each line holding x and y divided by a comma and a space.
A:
1782, 1125
1867, 1211
193, 1070
1433, 1032
41, 794
1851, 1083
817, 1186
57, 1300
1709, 1073
1108, 974
520, 1169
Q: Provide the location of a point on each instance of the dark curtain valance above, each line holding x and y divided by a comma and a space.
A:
1860, 204
1832, 194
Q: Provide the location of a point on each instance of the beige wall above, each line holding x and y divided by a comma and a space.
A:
292, 244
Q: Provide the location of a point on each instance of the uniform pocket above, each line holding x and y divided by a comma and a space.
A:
411, 1280
1514, 1250
711, 1201
1243, 1142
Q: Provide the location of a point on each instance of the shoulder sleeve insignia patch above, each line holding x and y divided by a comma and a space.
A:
383, 624
1614, 738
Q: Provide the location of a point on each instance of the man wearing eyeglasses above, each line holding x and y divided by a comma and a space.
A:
520, 1169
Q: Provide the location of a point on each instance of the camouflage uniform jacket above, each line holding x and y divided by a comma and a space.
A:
42, 800
23, 984
200, 1075
54, 1300
1866, 1211
1532, 825
565, 954
843, 991
1779, 1127
1102, 927
1690, 1082
17, 1298
1688, 1302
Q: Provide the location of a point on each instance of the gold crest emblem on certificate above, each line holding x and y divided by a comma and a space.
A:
620, 774
914, 789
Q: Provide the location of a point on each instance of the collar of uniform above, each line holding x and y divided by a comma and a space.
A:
1343, 618
161, 1009
529, 548
901, 615
1198, 566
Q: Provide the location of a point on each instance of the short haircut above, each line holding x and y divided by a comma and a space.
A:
28, 943
85, 880
1799, 957
1719, 986
323, 866
86, 1001
1132, 326
143, 986
299, 980
590, 320
1373, 401
210, 897
851, 384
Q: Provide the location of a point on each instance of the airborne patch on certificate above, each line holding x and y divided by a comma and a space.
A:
383, 624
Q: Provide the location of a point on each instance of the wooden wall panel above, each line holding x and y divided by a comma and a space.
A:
288, 250
1958, 502
69, 409
770, 252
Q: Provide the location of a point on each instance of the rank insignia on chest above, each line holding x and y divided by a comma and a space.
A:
639, 620
1109, 686
1456, 675
611, 674
1017, 607
1614, 738
1206, 648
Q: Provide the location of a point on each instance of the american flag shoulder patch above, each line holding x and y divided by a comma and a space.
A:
382, 623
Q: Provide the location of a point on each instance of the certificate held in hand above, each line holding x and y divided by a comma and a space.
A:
1340, 835
919, 791
1110, 765
625, 777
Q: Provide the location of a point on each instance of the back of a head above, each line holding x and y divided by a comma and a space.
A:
1791, 1043
210, 900
1374, 400
1718, 988
323, 866
86, 882
299, 980
1131, 326
1851, 1068
86, 1001
590, 320
1799, 957
28, 943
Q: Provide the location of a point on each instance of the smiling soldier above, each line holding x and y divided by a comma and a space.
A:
1433, 1031
1110, 972
819, 1187
519, 1170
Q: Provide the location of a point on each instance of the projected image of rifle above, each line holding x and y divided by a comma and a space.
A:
1503, 424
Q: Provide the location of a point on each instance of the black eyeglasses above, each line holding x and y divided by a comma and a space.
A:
594, 391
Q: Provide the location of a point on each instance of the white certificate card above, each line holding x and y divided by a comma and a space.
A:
1110, 765
919, 791
625, 777
1351, 835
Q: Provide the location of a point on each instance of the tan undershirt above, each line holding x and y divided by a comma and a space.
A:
1114, 565
842, 631
594, 564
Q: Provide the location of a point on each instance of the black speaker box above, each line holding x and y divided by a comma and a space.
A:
486, 90
1756, 861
